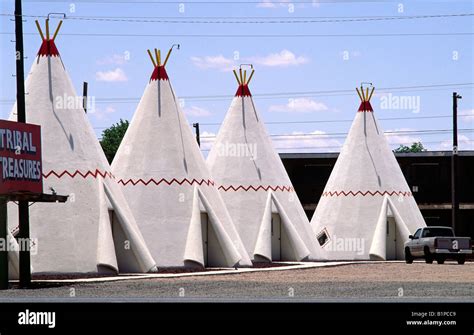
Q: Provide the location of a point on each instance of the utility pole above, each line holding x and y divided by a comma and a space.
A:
23, 206
4, 236
198, 136
454, 164
84, 96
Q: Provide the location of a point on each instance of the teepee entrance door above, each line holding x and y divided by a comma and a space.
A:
391, 246
212, 251
205, 237
276, 237
126, 260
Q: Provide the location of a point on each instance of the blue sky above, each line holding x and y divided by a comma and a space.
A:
118, 67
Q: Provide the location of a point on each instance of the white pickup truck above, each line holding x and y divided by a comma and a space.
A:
437, 243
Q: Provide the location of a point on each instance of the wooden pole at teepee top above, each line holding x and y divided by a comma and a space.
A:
371, 93
250, 77
167, 57
360, 96
47, 29
236, 77
57, 30
158, 56
151, 57
39, 29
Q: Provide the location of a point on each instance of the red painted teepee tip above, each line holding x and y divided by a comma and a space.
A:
243, 89
365, 97
48, 47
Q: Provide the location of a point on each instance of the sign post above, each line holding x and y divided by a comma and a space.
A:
4, 250
20, 178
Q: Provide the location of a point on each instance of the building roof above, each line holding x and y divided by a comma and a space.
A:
309, 155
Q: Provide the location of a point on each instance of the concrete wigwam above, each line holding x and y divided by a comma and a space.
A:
255, 186
165, 179
366, 210
94, 231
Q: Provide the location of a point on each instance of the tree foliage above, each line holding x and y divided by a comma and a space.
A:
415, 147
112, 137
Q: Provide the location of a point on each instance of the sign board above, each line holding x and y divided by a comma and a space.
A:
20, 158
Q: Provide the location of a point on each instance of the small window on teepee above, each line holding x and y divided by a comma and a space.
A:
323, 237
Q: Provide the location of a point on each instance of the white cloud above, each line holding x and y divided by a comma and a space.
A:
111, 76
101, 113
218, 62
394, 138
270, 4
299, 105
196, 111
296, 141
350, 54
464, 143
117, 59
303, 142
207, 140
468, 115
282, 58
286, 4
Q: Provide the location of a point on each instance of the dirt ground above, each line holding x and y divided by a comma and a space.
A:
386, 281
450, 272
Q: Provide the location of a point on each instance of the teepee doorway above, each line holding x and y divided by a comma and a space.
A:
276, 238
391, 242
126, 259
212, 251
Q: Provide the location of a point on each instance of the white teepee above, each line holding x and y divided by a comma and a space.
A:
255, 186
168, 186
366, 210
94, 231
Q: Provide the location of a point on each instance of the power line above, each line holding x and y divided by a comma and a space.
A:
262, 3
277, 2
349, 120
225, 98
247, 21
344, 134
287, 94
325, 147
334, 121
254, 35
223, 17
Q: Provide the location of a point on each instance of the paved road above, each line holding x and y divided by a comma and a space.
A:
359, 282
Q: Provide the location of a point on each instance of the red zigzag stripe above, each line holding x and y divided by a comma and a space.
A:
166, 181
169, 182
366, 193
260, 187
79, 173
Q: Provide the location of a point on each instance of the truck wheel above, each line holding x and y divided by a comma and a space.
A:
428, 256
408, 256
461, 259
440, 259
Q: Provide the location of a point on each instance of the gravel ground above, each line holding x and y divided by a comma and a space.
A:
357, 282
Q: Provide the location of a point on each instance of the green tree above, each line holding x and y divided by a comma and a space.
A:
415, 147
112, 137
